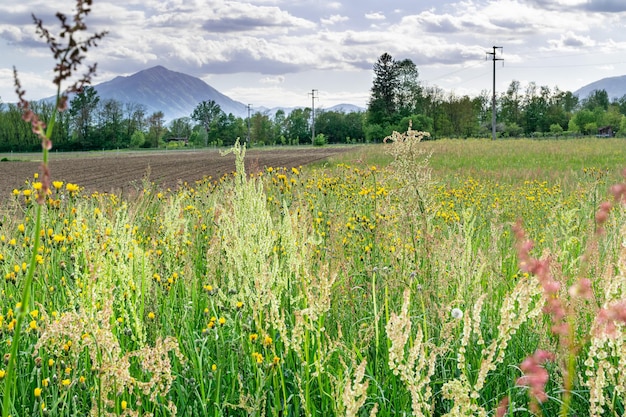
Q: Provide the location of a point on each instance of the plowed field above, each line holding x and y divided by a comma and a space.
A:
122, 172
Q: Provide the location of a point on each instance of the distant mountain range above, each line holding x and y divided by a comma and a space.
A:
177, 94
614, 86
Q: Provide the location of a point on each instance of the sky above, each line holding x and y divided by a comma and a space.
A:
276, 52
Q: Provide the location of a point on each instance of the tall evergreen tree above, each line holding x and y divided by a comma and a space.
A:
383, 105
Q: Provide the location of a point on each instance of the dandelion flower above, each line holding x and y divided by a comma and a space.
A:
456, 313
72, 188
3, 373
37, 392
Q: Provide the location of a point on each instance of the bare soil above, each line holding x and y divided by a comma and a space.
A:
122, 172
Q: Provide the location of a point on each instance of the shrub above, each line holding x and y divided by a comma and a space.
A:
320, 140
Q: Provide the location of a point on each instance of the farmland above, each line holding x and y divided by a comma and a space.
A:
123, 172
393, 279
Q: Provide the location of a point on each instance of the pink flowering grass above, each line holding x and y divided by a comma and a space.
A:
559, 308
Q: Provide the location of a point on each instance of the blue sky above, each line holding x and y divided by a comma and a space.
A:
274, 52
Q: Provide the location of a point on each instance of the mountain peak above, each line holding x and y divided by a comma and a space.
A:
174, 93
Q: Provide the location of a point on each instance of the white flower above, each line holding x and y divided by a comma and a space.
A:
456, 313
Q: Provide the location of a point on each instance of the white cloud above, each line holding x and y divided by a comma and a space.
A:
334, 19
272, 80
375, 16
270, 41
571, 40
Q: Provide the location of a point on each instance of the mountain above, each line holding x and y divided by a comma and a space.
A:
614, 86
345, 108
174, 93
340, 108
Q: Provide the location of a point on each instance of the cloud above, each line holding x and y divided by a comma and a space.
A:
375, 16
241, 17
608, 6
431, 22
334, 19
570, 40
279, 79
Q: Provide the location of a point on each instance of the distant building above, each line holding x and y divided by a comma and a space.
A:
605, 132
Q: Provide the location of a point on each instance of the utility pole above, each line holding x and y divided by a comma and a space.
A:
248, 138
313, 97
493, 100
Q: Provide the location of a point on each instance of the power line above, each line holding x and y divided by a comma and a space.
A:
595, 64
493, 101
469, 67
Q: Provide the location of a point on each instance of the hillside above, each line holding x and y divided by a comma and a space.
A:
614, 86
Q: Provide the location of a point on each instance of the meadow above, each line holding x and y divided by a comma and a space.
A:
394, 279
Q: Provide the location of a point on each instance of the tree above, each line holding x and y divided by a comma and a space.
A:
298, 125
280, 125
408, 88
138, 139
110, 124
135, 118
82, 112
180, 128
511, 104
597, 98
205, 113
227, 129
536, 109
261, 129
383, 104
156, 129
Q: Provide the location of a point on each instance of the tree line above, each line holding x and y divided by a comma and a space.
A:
397, 98
92, 123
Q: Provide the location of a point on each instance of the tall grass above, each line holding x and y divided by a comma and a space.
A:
342, 289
